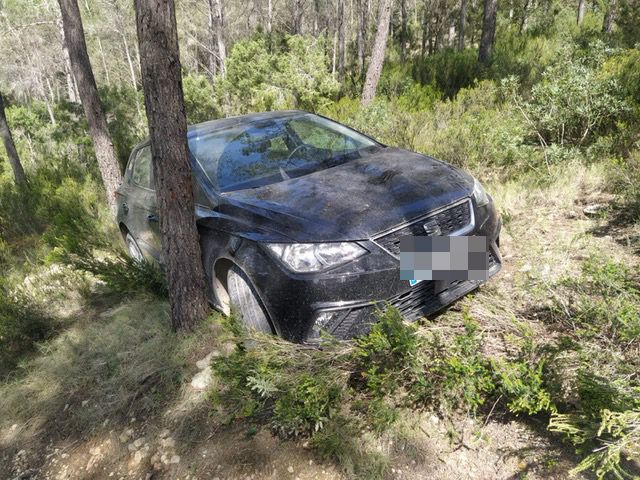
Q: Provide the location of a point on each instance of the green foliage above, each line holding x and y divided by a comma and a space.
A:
384, 354
573, 102
294, 75
200, 101
615, 435
523, 386
308, 406
22, 325
449, 70
605, 299
463, 374
124, 108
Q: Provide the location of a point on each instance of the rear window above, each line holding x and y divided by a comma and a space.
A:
269, 151
142, 170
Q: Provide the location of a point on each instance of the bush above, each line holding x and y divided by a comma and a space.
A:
22, 325
573, 104
449, 70
295, 75
200, 101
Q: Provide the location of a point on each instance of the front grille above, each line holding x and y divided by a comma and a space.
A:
450, 221
419, 301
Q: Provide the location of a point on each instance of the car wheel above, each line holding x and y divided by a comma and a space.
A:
244, 298
133, 248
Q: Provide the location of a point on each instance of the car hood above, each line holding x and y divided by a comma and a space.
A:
352, 201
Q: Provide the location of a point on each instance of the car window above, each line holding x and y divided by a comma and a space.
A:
316, 135
142, 172
268, 151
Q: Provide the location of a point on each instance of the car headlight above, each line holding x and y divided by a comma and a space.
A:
314, 257
479, 193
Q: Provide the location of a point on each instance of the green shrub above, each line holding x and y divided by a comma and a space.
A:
22, 325
573, 104
463, 373
449, 70
613, 437
200, 101
604, 300
386, 353
294, 75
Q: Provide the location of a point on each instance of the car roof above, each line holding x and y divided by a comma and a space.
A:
222, 123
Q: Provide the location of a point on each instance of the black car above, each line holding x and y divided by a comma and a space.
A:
300, 221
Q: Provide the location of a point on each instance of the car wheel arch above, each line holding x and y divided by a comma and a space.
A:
219, 274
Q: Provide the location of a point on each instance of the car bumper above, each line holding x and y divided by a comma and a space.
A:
343, 301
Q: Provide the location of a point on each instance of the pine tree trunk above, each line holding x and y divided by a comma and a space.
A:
377, 54
164, 101
86, 82
72, 89
362, 25
581, 9
341, 39
525, 16
462, 22
488, 31
609, 17
403, 30
10, 146
218, 26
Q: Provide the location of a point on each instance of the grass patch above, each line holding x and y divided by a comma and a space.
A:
124, 363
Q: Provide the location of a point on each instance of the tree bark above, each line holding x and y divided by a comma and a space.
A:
377, 54
525, 16
72, 89
164, 101
488, 31
609, 17
362, 26
10, 146
217, 22
581, 9
86, 82
462, 22
297, 17
341, 39
403, 30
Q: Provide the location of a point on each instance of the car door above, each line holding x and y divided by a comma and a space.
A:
143, 210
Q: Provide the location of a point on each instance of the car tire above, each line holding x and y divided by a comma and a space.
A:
243, 296
133, 249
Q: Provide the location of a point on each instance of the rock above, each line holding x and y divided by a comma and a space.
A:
85, 403
593, 209
175, 459
204, 363
290, 469
202, 380
126, 435
571, 214
139, 442
168, 442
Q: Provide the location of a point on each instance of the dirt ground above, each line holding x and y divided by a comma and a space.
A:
546, 234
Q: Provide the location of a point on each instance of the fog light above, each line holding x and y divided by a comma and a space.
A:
325, 320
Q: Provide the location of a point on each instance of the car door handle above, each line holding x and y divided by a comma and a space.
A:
125, 208
153, 217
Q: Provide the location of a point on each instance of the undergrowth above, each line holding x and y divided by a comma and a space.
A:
325, 393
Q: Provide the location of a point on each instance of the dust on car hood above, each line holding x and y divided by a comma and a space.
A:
354, 200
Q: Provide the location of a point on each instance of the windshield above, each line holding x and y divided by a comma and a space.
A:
269, 151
